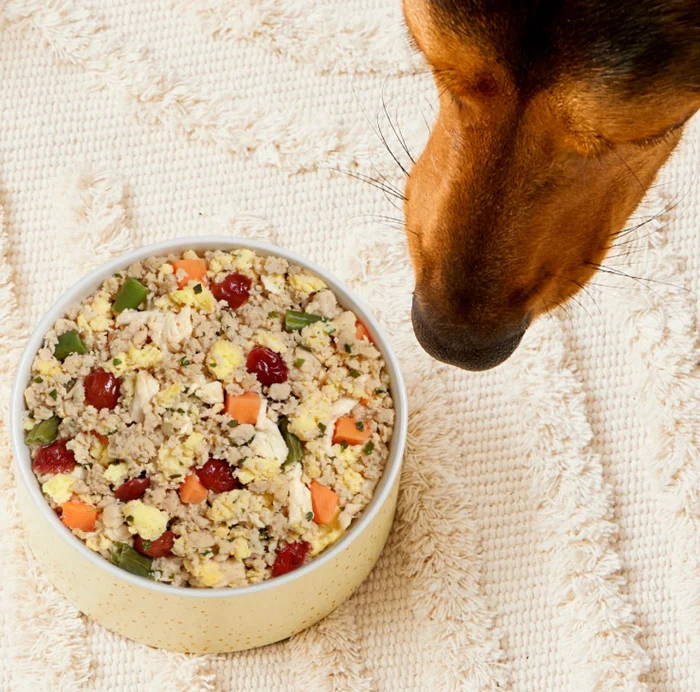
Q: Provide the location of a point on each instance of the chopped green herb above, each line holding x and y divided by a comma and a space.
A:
131, 295
146, 545
379, 390
296, 451
368, 448
112, 463
130, 518
68, 343
232, 539
273, 315
233, 424
215, 550
360, 425
184, 361
197, 288
264, 534
309, 516
127, 558
180, 410
70, 384
206, 552
306, 348
322, 427
295, 320
354, 373
174, 475
212, 364
348, 348
299, 362
116, 361
45, 432
343, 445
37, 380
53, 394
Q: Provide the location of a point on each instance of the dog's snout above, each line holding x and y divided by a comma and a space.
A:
462, 344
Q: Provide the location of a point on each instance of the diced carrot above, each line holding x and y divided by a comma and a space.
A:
361, 332
351, 431
102, 438
195, 270
192, 492
244, 408
325, 503
79, 515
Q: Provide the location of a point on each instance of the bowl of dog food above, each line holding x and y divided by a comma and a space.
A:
208, 436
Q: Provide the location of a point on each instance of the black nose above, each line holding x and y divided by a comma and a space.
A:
460, 344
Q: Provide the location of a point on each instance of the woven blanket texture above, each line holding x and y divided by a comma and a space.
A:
548, 530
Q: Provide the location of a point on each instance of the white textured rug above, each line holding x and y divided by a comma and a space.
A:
548, 536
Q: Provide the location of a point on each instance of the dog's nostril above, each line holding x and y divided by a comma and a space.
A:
462, 346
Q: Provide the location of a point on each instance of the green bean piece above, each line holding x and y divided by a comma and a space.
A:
128, 559
296, 451
45, 432
132, 294
295, 320
69, 343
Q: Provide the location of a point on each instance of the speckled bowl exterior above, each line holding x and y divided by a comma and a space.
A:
204, 620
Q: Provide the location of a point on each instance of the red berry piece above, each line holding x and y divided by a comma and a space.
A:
102, 389
54, 458
267, 365
291, 557
132, 489
161, 547
234, 289
217, 476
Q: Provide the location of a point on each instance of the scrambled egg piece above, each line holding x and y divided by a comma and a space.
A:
306, 283
324, 536
304, 422
176, 461
239, 259
257, 468
134, 358
208, 572
347, 456
116, 473
315, 336
274, 283
59, 488
269, 340
221, 531
241, 549
48, 368
98, 543
168, 396
166, 269
223, 358
352, 480
229, 507
148, 522
201, 299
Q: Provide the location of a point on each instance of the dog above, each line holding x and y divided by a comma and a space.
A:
554, 118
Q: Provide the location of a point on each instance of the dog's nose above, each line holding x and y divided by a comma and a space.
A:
462, 345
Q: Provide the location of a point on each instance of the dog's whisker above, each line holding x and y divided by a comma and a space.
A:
371, 181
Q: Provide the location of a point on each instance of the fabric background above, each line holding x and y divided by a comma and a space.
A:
548, 535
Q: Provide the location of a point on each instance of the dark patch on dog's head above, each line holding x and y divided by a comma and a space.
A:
554, 119
627, 44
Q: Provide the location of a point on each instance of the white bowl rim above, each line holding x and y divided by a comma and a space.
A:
84, 287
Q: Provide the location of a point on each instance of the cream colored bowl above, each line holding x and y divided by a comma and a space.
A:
204, 620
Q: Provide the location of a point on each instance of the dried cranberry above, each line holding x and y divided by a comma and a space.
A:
102, 389
234, 289
161, 547
217, 475
132, 489
290, 558
267, 365
54, 458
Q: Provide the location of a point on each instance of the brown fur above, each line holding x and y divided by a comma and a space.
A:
517, 194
